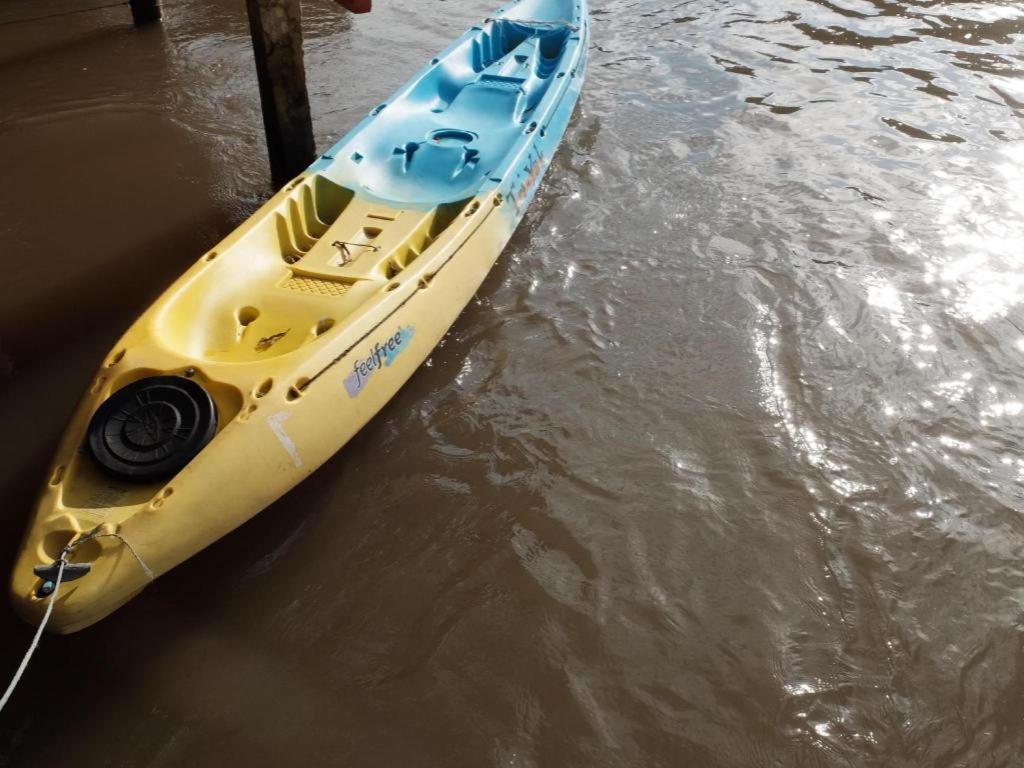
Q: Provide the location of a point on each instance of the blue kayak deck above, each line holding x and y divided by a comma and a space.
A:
456, 124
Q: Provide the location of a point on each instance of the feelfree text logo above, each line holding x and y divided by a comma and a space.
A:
381, 356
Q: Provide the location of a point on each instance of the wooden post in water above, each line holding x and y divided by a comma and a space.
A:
276, 27
145, 11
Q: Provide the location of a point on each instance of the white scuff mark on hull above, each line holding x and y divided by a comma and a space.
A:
276, 424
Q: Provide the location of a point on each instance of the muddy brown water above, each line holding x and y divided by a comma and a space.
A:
721, 467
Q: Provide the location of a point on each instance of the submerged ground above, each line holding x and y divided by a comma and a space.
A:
721, 468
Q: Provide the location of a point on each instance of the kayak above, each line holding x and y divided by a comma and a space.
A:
265, 357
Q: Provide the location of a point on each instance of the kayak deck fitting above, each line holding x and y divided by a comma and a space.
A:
281, 342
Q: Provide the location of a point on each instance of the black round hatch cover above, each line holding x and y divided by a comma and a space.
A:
150, 429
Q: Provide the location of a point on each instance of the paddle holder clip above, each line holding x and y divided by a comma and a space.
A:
346, 254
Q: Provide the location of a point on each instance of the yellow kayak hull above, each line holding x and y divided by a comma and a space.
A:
299, 326
281, 416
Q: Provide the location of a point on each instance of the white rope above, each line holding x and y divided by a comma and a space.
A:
63, 560
96, 534
39, 633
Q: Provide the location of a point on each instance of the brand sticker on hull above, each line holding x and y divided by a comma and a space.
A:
381, 356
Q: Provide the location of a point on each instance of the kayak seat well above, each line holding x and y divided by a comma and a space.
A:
313, 259
439, 141
236, 312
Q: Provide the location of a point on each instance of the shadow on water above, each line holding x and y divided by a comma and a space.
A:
82, 44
